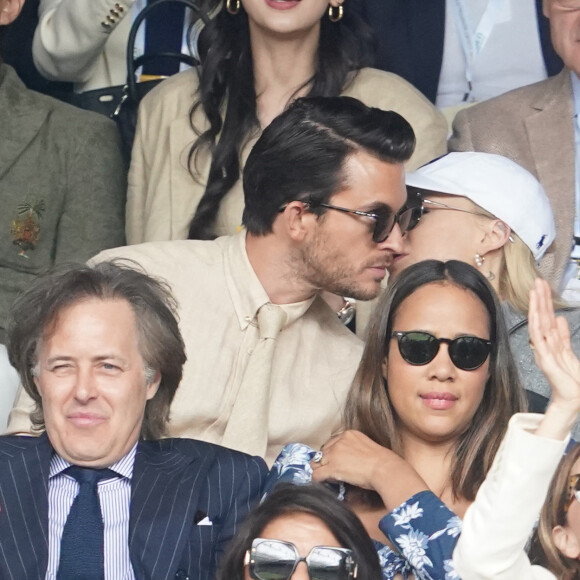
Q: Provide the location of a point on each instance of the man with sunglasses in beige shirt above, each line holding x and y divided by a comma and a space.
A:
325, 210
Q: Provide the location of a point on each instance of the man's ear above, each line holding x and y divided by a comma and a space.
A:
566, 541
36, 384
297, 219
495, 235
153, 386
9, 11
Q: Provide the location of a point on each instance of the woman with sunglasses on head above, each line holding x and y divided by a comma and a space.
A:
428, 407
498, 524
197, 128
300, 533
488, 211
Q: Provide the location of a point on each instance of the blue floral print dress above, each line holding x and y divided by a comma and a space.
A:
423, 529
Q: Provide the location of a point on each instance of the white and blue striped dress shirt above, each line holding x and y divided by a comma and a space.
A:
115, 497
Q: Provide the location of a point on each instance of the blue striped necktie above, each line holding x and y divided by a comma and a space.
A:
82, 543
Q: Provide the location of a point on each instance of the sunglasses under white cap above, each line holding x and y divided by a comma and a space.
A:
498, 185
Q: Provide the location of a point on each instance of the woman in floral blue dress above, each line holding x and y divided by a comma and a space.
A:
427, 411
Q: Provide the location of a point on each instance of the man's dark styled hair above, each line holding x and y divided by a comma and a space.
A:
35, 313
301, 155
315, 500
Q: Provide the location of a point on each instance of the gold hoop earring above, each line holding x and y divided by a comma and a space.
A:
335, 13
235, 9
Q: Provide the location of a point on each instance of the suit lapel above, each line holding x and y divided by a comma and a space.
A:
21, 120
550, 129
165, 495
24, 468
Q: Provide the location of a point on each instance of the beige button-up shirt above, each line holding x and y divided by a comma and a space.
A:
219, 296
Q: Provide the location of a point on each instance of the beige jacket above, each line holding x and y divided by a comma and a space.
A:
497, 525
71, 44
163, 196
534, 126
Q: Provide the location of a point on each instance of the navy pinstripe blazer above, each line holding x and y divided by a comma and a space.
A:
176, 482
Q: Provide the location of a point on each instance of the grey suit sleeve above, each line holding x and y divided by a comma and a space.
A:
461, 139
93, 211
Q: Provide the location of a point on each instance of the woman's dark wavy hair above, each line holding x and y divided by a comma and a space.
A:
161, 346
288, 499
227, 95
369, 408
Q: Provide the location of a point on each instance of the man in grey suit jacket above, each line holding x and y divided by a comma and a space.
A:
62, 189
99, 351
535, 126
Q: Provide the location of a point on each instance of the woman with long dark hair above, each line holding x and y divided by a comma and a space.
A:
428, 408
196, 129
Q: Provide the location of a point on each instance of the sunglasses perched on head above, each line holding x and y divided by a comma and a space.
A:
573, 490
277, 560
419, 348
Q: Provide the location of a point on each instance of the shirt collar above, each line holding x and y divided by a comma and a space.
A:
247, 293
123, 467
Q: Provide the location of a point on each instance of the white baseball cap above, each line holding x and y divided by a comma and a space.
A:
499, 186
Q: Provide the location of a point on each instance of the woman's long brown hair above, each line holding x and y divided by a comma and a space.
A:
369, 408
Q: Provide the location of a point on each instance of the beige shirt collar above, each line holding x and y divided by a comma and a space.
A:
249, 297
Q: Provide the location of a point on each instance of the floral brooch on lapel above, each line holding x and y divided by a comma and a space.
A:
25, 229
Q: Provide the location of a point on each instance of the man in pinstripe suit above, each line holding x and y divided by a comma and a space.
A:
99, 351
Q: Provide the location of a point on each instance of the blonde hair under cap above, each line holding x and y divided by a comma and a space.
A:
498, 185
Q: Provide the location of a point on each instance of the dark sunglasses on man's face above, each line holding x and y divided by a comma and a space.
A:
277, 560
407, 217
384, 219
419, 348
